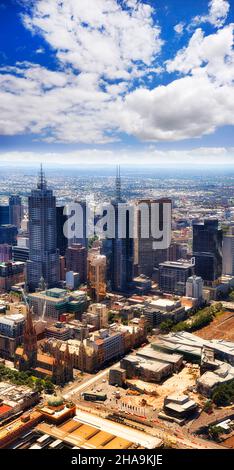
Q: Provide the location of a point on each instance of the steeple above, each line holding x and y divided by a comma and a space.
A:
30, 340
41, 184
118, 184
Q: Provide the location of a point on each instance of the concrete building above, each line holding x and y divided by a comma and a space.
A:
55, 302
8, 234
173, 276
145, 254
151, 365
76, 260
117, 376
97, 275
43, 254
11, 273
161, 310
207, 383
207, 250
145, 369
194, 287
180, 406
5, 253
16, 398
228, 252
191, 346
15, 211
11, 334
72, 280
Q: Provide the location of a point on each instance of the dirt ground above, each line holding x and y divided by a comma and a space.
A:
178, 383
221, 328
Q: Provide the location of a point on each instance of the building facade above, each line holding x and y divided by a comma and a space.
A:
207, 250
43, 254
173, 276
15, 211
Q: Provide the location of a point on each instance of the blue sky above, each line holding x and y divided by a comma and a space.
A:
117, 80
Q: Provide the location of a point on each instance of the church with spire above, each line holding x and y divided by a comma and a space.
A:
57, 367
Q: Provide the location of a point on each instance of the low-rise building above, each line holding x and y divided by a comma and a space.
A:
16, 398
11, 272
180, 406
11, 334
55, 302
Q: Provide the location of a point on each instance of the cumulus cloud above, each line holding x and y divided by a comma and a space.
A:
105, 50
150, 155
218, 13
98, 36
179, 27
191, 106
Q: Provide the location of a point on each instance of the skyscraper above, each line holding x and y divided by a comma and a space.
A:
122, 256
207, 250
62, 241
147, 258
173, 276
194, 286
97, 274
4, 215
15, 211
43, 254
228, 251
76, 260
8, 234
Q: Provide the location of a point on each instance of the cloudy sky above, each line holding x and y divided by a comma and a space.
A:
146, 81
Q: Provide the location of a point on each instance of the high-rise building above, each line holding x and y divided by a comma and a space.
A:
194, 286
228, 252
207, 250
4, 215
5, 253
122, 253
173, 276
62, 241
43, 254
20, 253
147, 258
83, 224
8, 234
76, 260
15, 211
97, 274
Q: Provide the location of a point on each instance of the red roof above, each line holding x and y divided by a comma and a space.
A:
4, 409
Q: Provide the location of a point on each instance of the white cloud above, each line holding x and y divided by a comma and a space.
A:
147, 156
218, 13
211, 55
98, 40
186, 108
179, 27
98, 36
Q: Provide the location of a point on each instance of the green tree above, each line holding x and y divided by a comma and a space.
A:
166, 326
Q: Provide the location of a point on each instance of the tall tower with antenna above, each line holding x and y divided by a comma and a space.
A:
118, 184
43, 254
121, 255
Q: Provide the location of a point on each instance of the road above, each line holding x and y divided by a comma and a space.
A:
88, 383
161, 431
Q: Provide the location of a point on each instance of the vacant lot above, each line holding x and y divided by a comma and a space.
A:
178, 383
221, 328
